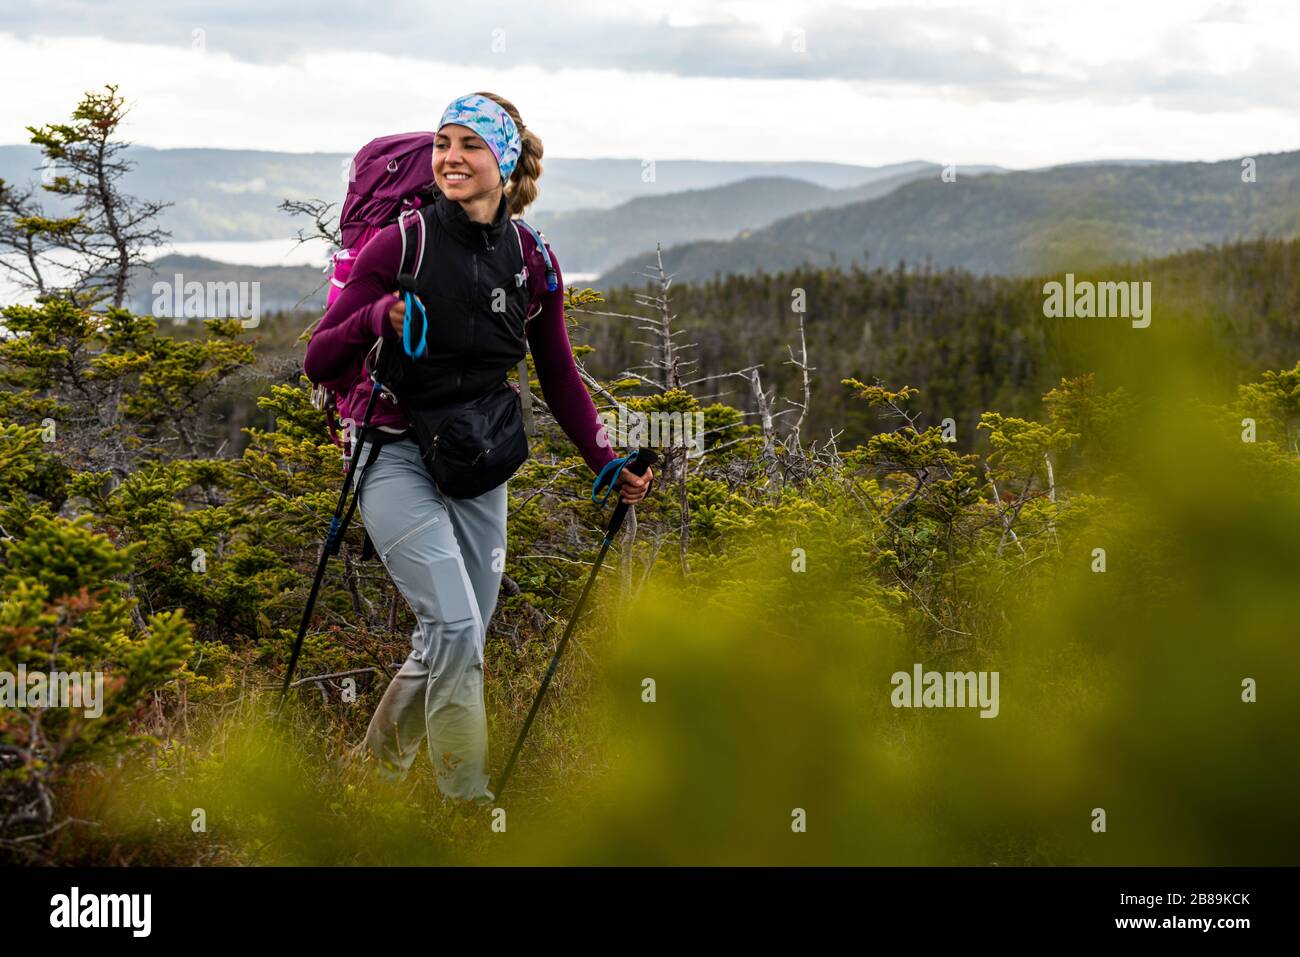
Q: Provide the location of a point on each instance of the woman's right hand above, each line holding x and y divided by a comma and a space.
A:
397, 313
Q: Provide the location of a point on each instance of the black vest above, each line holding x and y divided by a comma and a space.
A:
470, 282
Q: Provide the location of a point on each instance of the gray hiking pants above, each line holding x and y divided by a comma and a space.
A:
442, 554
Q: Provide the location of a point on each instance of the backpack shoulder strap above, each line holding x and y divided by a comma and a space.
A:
540, 240
413, 251
407, 272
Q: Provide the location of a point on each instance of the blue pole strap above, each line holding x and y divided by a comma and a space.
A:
609, 474
422, 347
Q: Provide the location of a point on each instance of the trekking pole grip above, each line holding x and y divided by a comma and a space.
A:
643, 460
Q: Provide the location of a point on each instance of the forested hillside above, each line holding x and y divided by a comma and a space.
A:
1019, 222
970, 342
595, 240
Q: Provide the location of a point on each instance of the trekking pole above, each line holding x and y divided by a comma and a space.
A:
334, 539
636, 463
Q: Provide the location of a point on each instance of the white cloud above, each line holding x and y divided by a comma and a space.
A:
1017, 83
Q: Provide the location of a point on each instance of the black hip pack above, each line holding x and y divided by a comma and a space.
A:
472, 447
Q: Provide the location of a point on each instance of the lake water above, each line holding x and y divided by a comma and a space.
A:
266, 252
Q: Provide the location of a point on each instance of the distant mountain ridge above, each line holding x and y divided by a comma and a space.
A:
232, 195
592, 240
1015, 223
727, 217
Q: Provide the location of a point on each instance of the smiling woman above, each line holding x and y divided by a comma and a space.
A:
465, 170
482, 146
479, 300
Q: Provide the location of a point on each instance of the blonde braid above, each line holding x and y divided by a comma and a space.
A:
522, 188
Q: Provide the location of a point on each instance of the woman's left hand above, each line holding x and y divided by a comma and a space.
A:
632, 488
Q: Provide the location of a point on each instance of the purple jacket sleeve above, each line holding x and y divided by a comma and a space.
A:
359, 315
562, 387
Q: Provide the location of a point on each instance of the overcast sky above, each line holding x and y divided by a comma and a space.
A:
1014, 83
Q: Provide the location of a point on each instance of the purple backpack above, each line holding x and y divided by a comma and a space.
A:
388, 175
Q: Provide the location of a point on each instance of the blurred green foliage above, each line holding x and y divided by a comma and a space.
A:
770, 643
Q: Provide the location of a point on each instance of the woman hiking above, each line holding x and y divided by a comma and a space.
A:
445, 554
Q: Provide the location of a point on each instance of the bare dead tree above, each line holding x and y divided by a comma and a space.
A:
665, 370
665, 365
1051, 497
665, 358
766, 419
111, 233
324, 225
1007, 514
21, 233
804, 369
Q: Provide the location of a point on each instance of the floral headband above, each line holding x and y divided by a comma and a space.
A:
491, 122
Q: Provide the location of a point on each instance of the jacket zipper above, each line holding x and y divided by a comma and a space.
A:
473, 313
